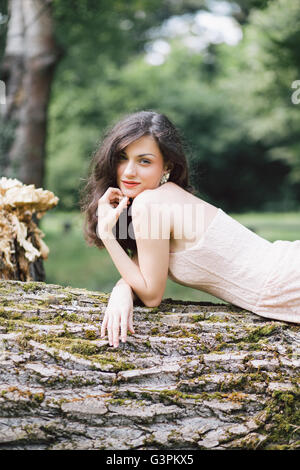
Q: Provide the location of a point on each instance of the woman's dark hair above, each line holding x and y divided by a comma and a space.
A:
102, 173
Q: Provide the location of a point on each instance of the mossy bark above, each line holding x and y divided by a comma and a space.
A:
194, 376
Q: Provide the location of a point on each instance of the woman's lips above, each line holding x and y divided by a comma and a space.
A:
130, 185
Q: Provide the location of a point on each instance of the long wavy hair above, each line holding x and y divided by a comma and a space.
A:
102, 171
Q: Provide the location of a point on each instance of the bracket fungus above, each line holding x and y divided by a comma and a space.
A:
21, 241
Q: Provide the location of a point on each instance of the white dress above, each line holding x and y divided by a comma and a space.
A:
236, 265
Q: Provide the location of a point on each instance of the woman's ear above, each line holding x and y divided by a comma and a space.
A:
168, 167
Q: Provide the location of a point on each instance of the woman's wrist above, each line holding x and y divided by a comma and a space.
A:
122, 285
122, 282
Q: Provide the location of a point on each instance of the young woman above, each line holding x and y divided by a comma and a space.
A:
139, 205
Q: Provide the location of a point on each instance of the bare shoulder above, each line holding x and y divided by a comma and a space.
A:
170, 188
165, 192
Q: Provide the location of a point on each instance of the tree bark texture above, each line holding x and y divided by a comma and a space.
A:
29, 62
194, 376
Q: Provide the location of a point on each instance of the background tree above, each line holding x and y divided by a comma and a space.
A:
30, 57
210, 96
232, 103
84, 29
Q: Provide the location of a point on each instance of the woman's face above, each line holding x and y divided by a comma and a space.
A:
141, 162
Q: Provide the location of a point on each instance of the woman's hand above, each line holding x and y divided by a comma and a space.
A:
110, 207
118, 314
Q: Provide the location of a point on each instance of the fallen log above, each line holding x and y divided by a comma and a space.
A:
194, 376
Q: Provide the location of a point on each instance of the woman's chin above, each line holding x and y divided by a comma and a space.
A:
132, 193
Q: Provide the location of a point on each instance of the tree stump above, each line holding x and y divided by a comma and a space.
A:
194, 376
22, 249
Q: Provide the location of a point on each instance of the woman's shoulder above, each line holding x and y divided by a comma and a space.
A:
161, 194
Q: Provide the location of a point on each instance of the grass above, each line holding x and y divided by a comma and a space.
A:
72, 263
272, 225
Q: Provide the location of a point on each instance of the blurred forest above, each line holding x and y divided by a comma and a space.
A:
226, 73
231, 101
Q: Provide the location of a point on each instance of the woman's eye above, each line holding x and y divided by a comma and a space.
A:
123, 156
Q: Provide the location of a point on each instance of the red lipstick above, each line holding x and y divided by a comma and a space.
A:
130, 184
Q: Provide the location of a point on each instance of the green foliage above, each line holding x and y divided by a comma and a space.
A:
232, 104
267, 62
3, 26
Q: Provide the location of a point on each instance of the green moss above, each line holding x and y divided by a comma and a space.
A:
199, 317
83, 348
183, 333
221, 347
176, 395
209, 318
31, 286
117, 364
283, 413
256, 334
286, 397
117, 401
68, 298
154, 309
34, 319
38, 397
10, 315
79, 347
90, 334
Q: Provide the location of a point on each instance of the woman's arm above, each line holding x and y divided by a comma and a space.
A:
147, 278
119, 312
122, 282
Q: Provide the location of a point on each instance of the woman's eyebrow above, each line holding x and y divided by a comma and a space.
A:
145, 154
141, 154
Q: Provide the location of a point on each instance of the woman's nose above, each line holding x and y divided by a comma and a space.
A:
130, 169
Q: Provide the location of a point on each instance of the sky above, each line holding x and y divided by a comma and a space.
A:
195, 31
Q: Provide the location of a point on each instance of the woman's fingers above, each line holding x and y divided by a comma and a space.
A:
113, 325
110, 207
110, 193
116, 333
130, 325
110, 323
103, 326
121, 206
124, 329
110, 332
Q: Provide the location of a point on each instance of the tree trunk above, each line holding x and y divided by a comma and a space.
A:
194, 376
29, 61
